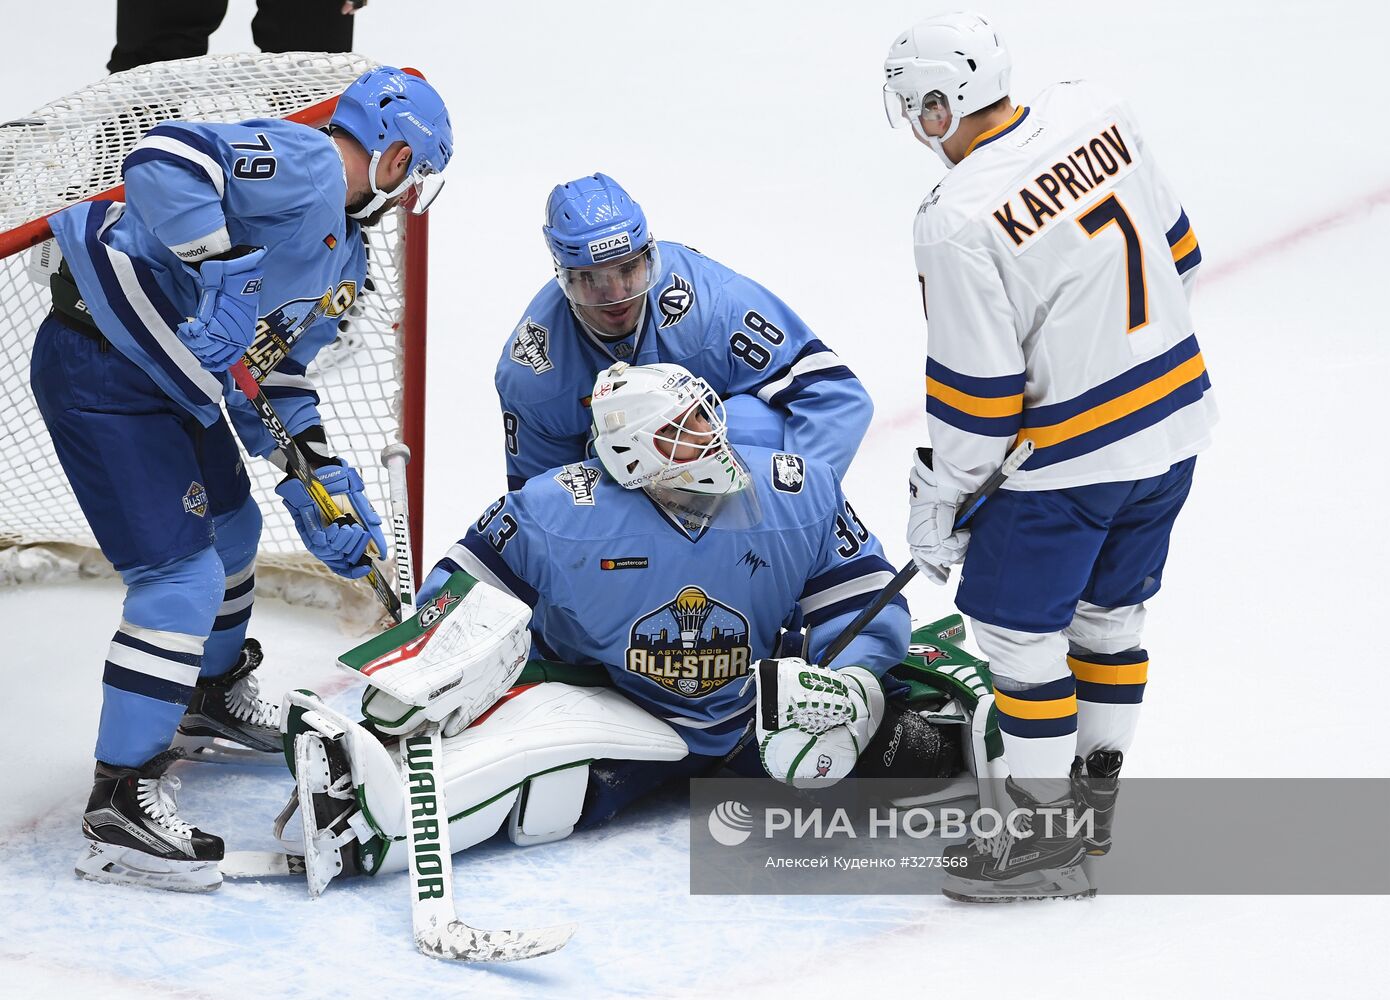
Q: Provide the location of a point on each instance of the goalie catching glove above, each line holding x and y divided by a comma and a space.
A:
812, 723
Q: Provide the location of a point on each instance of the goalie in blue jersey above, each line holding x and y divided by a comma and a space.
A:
234, 239
654, 580
621, 295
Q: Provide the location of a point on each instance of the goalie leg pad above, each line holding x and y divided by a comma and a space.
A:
525, 764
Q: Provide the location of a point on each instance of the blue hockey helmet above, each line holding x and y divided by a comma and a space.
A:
387, 105
598, 236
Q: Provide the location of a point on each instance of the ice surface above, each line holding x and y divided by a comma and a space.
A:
754, 132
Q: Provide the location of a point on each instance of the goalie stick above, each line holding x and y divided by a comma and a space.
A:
438, 931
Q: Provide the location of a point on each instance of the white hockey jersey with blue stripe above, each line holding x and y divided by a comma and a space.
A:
194, 190
678, 623
722, 326
1056, 266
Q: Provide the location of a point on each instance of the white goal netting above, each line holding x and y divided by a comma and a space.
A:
71, 149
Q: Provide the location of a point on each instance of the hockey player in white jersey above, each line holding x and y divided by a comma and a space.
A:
654, 580
232, 239
1056, 265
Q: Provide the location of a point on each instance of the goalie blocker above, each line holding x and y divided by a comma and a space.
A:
521, 748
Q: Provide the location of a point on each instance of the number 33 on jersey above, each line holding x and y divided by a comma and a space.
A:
1056, 248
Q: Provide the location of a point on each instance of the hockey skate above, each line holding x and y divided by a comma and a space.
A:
328, 807
137, 836
1097, 788
1043, 863
227, 721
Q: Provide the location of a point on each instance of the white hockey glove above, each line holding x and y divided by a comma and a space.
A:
812, 723
936, 545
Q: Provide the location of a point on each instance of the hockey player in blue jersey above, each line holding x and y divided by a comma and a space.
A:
231, 237
621, 295
666, 567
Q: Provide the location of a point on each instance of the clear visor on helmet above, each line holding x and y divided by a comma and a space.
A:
421, 186
610, 284
903, 109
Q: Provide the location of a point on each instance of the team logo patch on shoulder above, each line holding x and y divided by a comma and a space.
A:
330, 241
675, 301
788, 472
531, 346
692, 644
579, 480
195, 499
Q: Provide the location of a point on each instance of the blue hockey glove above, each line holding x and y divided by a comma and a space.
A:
339, 546
229, 297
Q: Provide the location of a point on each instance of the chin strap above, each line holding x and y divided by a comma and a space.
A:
936, 142
380, 197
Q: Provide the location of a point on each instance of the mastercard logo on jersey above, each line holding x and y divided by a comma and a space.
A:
628, 562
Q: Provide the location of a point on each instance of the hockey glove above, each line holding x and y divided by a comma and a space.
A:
229, 298
812, 723
936, 545
339, 546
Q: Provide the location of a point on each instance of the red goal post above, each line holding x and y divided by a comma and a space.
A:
371, 378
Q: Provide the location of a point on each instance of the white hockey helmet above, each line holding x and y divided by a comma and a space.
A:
958, 58
658, 425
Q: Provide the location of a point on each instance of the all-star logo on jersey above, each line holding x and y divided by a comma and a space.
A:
277, 330
579, 480
195, 499
788, 472
675, 301
531, 346
691, 645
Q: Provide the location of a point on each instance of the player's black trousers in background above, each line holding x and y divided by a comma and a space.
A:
155, 30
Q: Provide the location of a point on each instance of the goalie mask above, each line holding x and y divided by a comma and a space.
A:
659, 427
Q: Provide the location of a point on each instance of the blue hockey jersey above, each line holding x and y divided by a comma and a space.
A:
194, 190
679, 620
723, 327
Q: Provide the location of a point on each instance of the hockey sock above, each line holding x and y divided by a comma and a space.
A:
238, 535
1109, 692
155, 655
1038, 724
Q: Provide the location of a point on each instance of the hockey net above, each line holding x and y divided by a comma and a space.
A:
370, 379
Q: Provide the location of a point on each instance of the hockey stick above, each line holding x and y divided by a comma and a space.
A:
964, 513
298, 466
438, 931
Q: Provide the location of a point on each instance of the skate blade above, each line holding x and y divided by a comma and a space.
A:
213, 750
115, 865
1052, 883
